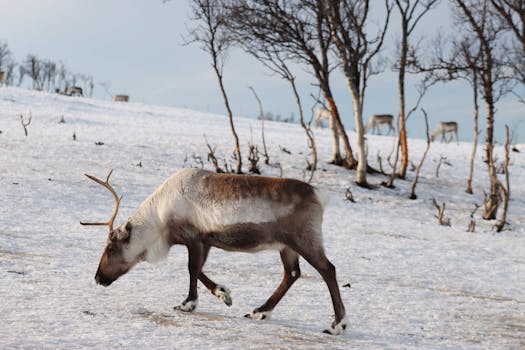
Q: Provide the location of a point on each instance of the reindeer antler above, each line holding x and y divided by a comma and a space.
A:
115, 196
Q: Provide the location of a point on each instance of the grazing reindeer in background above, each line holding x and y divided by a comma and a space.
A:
2, 78
377, 120
322, 114
74, 91
444, 128
201, 209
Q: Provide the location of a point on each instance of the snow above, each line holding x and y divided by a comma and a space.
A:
414, 284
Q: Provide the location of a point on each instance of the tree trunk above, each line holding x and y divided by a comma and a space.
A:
349, 160
492, 202
336, 149
360, 130
476, 133
336, 159
402, 122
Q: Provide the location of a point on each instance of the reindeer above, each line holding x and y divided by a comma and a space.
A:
444, 128
73, 91
120, 98
201, 209
2, 78
379, 119
322, 114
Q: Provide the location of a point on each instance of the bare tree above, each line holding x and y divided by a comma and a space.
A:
474, 78
298, 31
272, 57
512, 17
422, 89
7, 65
21, 74
210, 34
91, 86
32, 67
355, 49
10, 76
460, 63
476, 18
48, 74
62, 74
411, 13
5, 55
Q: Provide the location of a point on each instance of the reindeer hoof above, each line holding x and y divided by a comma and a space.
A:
223, 294
187, 306
337, 328
259, 315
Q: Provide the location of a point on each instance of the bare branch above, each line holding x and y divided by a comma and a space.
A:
261, 116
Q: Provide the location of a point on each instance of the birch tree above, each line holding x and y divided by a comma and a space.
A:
411, 13
355, 50
476, 18
209, 32
512, 17
298, 30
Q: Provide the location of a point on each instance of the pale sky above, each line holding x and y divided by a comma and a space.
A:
137, 45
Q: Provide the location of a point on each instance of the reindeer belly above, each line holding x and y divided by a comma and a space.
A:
249, 237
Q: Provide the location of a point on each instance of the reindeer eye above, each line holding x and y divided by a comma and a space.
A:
111, 249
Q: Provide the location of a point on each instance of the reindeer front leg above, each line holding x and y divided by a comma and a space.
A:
195, 262
220, 291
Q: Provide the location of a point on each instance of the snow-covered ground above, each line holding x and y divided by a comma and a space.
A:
414, 284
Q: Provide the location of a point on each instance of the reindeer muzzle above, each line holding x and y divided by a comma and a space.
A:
102, 279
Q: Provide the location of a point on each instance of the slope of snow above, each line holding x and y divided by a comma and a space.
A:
414, 284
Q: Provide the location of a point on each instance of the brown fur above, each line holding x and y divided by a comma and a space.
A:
227, 187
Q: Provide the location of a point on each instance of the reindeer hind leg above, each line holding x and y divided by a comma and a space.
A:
318, 259
292, 272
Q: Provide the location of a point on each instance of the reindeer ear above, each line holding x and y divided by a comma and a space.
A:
123, 234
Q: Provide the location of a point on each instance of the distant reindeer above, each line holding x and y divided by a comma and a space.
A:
444, 128
376, 120
120, 98
322, 114
73, 91
201, 209
2, 78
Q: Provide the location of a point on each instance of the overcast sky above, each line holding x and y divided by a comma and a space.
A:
138, 46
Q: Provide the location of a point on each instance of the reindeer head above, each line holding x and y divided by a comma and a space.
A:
114, 261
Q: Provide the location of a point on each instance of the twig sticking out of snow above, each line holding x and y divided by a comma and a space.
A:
349, 196
442, 219
472, 224
26, 123
212, 158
